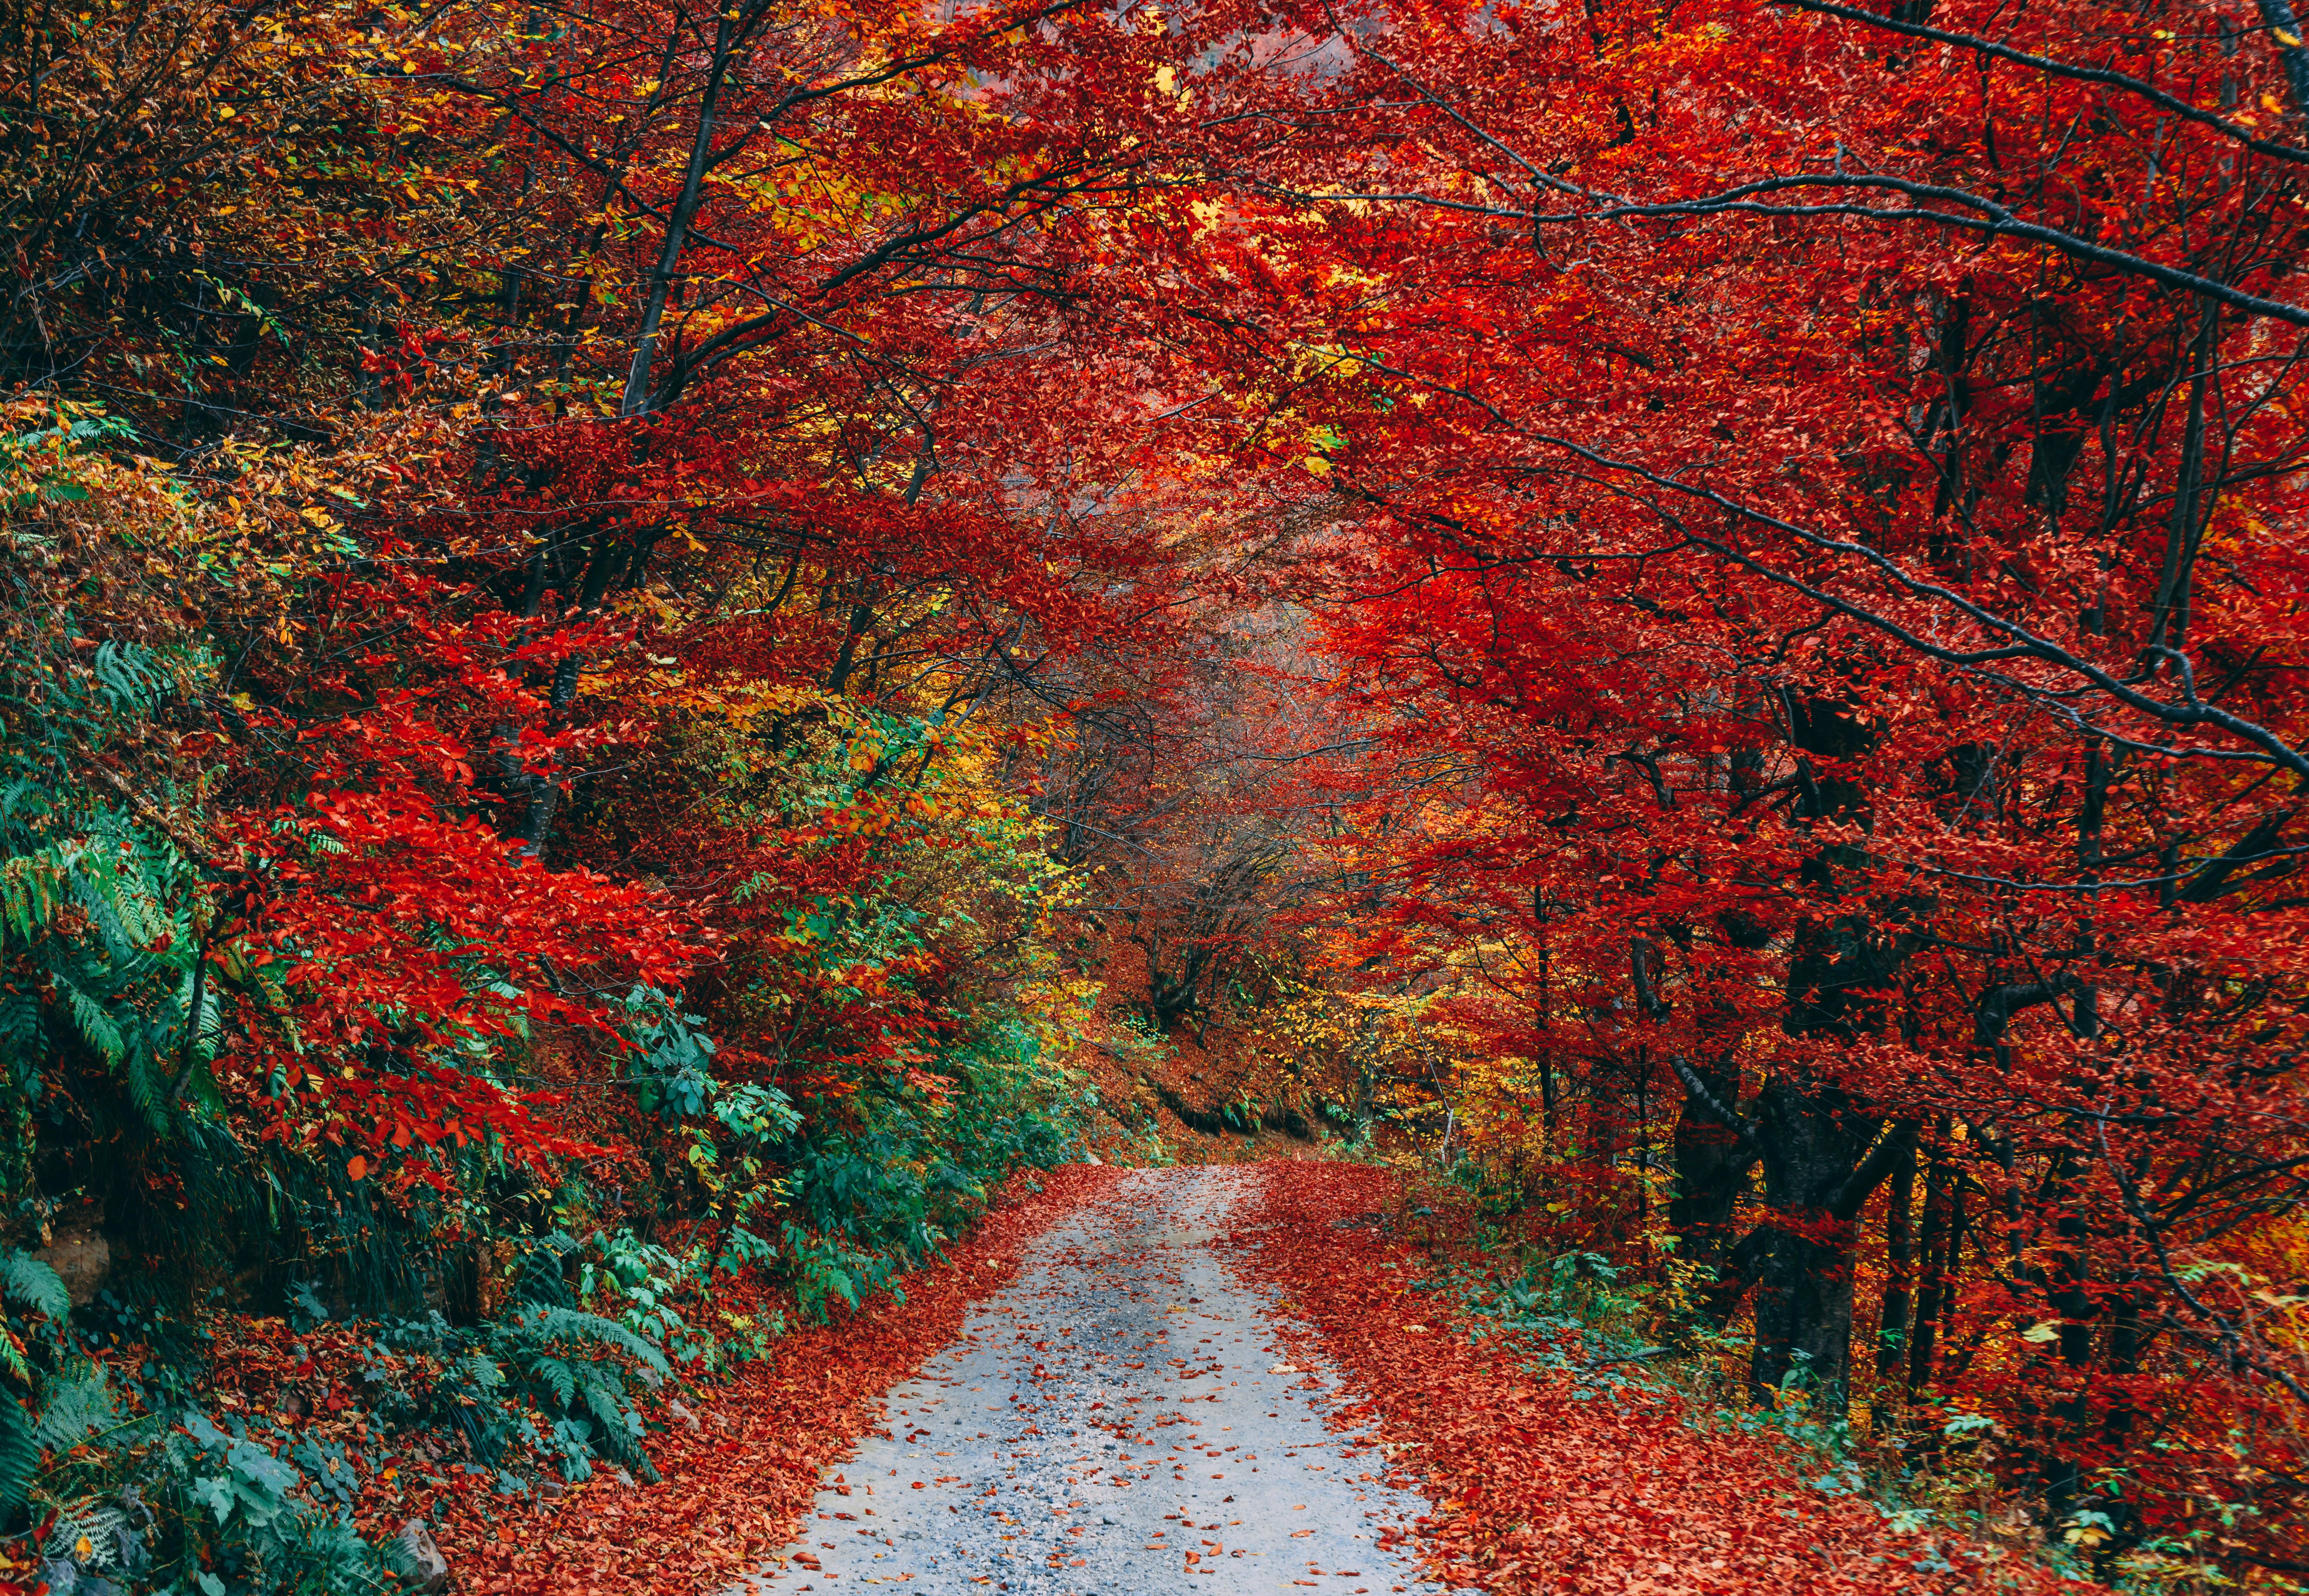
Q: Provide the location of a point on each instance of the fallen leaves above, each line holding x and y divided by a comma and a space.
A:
734, 1491
1540, 1490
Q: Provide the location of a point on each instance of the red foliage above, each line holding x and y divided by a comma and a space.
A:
371, 899
1827, 698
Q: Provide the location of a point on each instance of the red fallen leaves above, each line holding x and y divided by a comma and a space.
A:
1540, 1491
735, 1489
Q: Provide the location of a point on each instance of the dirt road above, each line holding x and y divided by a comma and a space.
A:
1117, 1418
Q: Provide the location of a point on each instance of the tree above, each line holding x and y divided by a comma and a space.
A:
1815, 489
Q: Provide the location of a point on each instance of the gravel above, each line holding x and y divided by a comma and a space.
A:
1117, 1418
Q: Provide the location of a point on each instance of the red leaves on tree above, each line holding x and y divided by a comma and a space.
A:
392, 928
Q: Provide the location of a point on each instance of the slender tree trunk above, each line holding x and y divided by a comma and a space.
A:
1892, 1331
2169, 622
1943, 1218
636, 398
2062, 1277
539, 790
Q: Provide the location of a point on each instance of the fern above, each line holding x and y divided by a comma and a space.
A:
19, 1454
96, 1028
557, 1376
611, 1413
25, 1279
22, 1034
101, 1527
617, 1430
571, 1323
28, 899
14, 795
71, 1409
148, 1089
98, 892
129, 677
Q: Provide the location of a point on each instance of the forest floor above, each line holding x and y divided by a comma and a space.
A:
1225, 1380
1120, 1418
1214, 1378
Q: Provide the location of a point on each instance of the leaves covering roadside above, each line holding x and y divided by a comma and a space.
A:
1545, 1484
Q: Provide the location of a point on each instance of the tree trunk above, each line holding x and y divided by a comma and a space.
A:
1900, 1278
1814, 1142
1804, 1315
1711, 1171
1943, 1217
636, 397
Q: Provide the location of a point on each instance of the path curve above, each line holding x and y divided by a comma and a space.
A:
1118, 1418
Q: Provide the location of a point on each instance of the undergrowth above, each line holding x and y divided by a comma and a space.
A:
1607, 1330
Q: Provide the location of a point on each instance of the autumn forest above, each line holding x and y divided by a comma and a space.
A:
667, 675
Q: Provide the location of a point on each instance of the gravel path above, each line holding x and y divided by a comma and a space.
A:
1117, 1420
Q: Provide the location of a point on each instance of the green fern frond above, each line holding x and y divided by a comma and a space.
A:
130, 676
21, 1035
27, 894
557, 1376
19, 1454
569, 1323
98, 895
609, 1412
148, 1088
72, 1407
24, 1279
96, 1028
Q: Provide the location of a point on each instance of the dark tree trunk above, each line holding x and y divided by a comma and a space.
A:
1813, 1141
1712, 1161
1943, 1218
1899, 1272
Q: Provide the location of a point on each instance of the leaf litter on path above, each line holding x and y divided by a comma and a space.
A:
1543, 1486
1114, 1421
1191, 1380
734, 1488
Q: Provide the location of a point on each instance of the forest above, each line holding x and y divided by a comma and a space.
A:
651, 657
